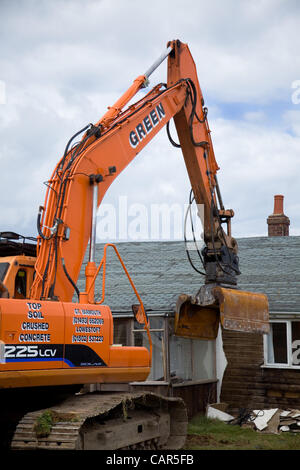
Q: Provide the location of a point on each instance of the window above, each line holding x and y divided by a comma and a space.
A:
159, 346
180, 358
282, 344
122, 331
3, 270
20, 284
192, 359
295, 327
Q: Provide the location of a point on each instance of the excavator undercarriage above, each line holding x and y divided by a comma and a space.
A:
106, 421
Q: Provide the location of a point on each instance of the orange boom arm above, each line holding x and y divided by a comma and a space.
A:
104, 151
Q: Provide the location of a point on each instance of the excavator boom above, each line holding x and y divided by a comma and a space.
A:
105, 149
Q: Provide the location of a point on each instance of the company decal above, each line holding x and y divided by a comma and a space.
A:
35, 329
81, 355
33, 352
72, 354
87, 326
146, 125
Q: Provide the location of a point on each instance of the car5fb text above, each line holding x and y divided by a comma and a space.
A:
140, 459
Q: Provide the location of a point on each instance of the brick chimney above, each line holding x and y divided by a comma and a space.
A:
278, 223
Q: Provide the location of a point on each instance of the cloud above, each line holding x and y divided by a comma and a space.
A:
256, 163
291, 119
256, 116
64, 62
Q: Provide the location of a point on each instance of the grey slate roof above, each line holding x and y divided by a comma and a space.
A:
161, 271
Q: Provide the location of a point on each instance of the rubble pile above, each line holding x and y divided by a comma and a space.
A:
273, 420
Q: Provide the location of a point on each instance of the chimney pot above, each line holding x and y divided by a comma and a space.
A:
278, 223
278, 204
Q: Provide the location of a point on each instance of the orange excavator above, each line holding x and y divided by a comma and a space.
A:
43, 355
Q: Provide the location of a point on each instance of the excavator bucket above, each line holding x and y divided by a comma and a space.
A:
199, 316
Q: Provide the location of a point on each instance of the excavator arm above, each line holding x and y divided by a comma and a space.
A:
87, 169
95, 160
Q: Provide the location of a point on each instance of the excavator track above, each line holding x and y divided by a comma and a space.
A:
106, 421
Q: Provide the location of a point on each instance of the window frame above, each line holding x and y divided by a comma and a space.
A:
289, 364
167, 341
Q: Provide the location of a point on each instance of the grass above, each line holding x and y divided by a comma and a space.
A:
213, 434
44, 424
48, 419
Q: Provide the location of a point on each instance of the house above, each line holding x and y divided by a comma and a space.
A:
245, 370
264, 372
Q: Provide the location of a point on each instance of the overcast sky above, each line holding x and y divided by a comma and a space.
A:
63, 62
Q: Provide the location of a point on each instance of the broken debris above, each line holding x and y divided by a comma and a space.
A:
266, 419
217, 411
272, 421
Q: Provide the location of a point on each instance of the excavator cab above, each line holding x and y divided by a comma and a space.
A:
17, 260
16, 275
199, 316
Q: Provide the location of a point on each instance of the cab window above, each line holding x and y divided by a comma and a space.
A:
20, 284
3, 270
